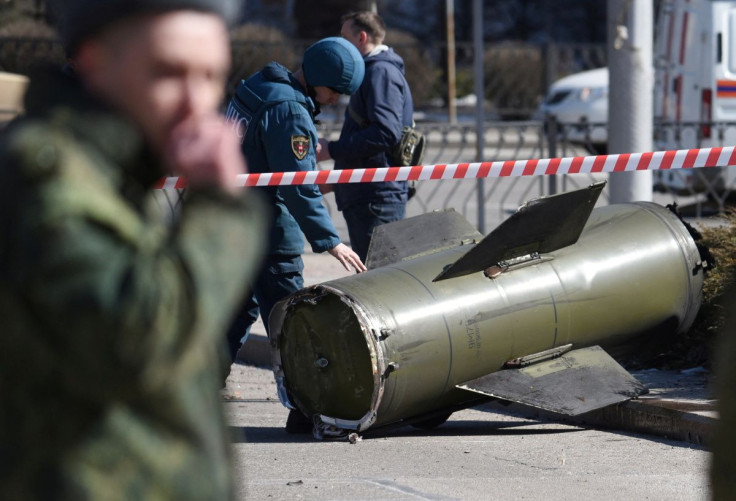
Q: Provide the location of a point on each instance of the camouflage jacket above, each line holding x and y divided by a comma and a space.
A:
111, 321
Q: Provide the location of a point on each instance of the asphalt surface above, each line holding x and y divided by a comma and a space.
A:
486, 452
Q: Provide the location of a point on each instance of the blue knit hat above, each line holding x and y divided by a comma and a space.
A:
76, 20
335, 63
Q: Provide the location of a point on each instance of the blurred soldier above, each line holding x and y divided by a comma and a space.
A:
273, 112
112, 320
723, 467
372, 128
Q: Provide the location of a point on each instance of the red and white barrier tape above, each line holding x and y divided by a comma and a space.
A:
623, 162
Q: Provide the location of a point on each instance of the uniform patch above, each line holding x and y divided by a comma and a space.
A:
300, 146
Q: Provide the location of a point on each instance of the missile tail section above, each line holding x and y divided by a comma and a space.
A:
435, 325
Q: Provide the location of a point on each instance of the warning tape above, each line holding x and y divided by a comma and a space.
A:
622, 162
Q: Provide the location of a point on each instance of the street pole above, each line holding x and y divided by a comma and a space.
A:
479, 89
630, 125
451, 107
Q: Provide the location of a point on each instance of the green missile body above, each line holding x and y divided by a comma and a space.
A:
443, 317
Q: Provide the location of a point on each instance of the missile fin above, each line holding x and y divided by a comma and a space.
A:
574, 383
419, 235
541, 225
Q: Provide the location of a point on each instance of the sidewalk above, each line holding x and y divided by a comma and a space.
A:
679, 404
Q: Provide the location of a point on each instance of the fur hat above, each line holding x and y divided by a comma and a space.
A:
77, 20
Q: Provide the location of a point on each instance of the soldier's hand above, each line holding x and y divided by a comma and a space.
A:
348, 258
207, 153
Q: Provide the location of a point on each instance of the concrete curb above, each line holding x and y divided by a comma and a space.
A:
644, 417
683, 419
637, 416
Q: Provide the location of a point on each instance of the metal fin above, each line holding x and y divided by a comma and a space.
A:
577, 382
541, 225
415, 236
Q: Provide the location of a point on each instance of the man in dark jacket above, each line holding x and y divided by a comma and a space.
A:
273, 113
373, 123
112, 320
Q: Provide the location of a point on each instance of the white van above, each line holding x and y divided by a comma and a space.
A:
695, 85
579, 102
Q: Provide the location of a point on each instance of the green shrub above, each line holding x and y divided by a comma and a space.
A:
255, 45
12, 11
421, 72
513, 78
26, 43
695, 347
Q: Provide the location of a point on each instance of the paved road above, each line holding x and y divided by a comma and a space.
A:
478, 454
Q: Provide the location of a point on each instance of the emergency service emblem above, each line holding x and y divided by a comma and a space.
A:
300, 146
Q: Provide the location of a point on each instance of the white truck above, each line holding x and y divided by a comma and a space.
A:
694, 92
695, 87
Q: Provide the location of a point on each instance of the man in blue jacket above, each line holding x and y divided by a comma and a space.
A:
372, 127
273, 113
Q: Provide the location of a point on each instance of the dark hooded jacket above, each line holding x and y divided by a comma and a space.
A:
385, 105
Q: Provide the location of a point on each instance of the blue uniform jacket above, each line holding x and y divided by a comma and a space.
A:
280, 136
384, 101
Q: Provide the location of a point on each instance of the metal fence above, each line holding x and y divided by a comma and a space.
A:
516, 75
20, 55
456, 143
698, 192
516, 78
703, 191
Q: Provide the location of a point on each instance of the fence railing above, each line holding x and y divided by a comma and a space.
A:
707, 190
516, 75
698, 192
456, 143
